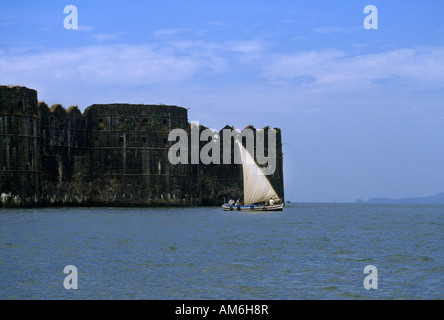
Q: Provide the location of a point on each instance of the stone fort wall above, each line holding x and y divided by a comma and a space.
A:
111, 155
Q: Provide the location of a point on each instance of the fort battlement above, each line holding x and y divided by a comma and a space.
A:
109, 155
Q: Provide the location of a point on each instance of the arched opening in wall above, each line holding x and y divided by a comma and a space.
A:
145, 125
21, 106
101, 124
30, 164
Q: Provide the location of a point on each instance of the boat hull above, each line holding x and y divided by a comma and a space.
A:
253, 208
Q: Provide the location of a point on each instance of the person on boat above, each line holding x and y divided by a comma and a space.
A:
271, 202
238, 202
231, 202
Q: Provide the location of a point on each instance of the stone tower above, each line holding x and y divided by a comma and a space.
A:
129, 153
20, 172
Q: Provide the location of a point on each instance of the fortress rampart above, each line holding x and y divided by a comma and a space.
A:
111, 155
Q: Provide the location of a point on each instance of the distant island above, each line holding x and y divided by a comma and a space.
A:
436, 199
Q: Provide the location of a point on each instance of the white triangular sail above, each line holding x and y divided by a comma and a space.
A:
257, 188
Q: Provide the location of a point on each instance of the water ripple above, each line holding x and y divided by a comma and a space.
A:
308, 251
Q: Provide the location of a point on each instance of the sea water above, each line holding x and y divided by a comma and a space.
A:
307, 251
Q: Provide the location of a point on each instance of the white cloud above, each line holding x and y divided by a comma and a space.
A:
104, 65
287, 66
85, 28
102, 37
247, 47
171, 32
328, 30
121, 64
253, 76
335, 68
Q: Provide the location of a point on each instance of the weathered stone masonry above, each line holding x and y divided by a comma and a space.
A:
111, 155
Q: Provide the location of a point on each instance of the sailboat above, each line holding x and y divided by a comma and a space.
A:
259, 194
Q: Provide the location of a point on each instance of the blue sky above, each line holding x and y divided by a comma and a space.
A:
361, 111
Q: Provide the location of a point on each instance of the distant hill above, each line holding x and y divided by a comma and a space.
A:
436, 199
